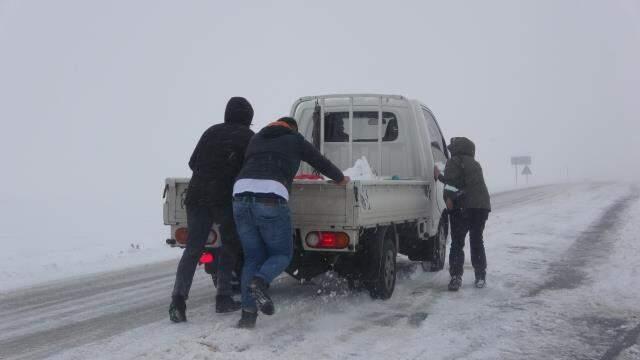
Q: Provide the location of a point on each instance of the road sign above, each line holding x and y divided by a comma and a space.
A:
521, 160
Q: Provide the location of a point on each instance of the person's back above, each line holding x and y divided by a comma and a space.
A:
275, 153
464, 172
218, 158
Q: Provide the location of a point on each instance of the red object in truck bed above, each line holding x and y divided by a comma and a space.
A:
308, 177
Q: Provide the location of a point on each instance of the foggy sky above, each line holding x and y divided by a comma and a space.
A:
101, 100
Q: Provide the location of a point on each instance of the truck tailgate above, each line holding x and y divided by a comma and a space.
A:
318, 203
362, 203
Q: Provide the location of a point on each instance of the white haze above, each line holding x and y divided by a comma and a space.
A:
101, 100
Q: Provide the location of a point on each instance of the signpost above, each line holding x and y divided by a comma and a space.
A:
521, 160
526, 172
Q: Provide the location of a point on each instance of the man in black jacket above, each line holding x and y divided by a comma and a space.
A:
215, 162
261, 211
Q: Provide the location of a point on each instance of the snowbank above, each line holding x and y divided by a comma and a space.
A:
24, 266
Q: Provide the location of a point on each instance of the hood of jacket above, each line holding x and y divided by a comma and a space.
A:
238, 111
462, 146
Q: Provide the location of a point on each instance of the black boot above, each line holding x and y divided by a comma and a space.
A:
455, 283
258, 290
480, 280
247, 320
226, 304
178, 309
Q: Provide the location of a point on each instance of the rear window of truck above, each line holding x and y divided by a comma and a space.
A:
365, 126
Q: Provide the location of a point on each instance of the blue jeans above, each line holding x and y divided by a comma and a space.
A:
267, 240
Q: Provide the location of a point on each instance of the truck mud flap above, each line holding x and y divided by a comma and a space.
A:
306, 266
419, 250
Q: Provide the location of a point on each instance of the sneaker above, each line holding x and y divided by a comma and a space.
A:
178, 309
226, 304
455, 283
258, 290
247, 320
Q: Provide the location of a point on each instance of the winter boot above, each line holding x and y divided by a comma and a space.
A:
480, 280
247, 320
226, 304
178, 309
258, 290
455, 283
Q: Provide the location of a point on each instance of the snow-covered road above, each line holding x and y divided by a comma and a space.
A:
563, 283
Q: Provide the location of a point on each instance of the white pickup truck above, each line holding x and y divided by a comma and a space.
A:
357, 230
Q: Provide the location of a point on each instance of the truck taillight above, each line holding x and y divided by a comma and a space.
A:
327, 240
206, 258
181, 235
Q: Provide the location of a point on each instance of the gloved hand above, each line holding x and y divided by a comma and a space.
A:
344, 181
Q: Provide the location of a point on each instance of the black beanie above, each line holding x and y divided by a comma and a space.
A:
238, 111
290, 121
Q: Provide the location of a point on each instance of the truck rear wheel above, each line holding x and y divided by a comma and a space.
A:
439, 247
382, 259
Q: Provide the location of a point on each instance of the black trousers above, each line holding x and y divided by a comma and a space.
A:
465, 221
199, 220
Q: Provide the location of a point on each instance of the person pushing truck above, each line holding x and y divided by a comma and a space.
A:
469, 204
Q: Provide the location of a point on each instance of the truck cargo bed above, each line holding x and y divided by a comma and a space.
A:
362, 203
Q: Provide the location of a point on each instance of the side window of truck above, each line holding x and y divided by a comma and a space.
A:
438, 146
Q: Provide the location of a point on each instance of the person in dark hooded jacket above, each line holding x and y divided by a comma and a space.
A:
261, 210
469, 205
215, 162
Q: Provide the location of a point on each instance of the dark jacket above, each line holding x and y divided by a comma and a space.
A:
218, 157
275, 152
465, 173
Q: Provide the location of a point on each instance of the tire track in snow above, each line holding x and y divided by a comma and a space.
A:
630, 339
592, 245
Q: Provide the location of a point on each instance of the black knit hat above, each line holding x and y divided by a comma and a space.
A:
238, 111
290, 121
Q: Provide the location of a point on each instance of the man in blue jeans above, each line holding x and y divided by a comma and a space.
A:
261, 211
